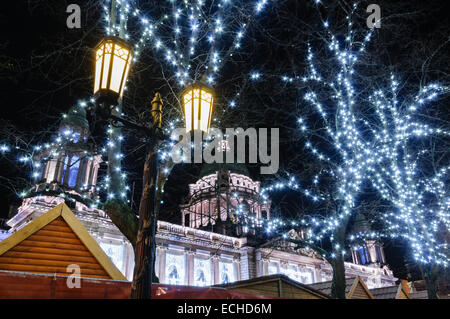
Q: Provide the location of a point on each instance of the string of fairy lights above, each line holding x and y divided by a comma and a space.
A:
382, 157
373, 150
179, 34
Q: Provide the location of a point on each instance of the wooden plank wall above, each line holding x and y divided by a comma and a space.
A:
360, 293
50, 250
26, 286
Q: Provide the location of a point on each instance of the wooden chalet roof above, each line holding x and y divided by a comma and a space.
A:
391, 292
355, 288
276, 286
53, 241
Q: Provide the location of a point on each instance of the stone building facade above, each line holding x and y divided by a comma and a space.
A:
211, 245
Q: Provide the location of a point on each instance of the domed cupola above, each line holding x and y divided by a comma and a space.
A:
75, 124
69, 163
371, 252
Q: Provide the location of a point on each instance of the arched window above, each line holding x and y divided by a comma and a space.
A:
175, 269
225, 279
202, 272
174, 276
200, 278
363, 256
379, 254
73, 171
226, 272
116, 253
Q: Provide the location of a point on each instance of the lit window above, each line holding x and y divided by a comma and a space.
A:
226, 272
115, 253
175, 269
202, 272
292, 272
73, 171
363, 256
306, 276
76, 137
379, 254
273, 268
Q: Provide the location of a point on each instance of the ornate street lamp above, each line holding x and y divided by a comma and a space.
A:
112, 63
197, 101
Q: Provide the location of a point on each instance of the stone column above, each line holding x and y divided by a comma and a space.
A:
215, 269
161, 264
382, 254
317, 274
59, 168
259, 265
50, 170
237, 270
243, 264
81, 168
355, 260
66, 175
94, 177
87, 173
265, 266
190, 267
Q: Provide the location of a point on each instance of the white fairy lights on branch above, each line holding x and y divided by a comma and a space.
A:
193, 38
374, 147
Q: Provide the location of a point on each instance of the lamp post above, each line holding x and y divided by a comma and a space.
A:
112, 64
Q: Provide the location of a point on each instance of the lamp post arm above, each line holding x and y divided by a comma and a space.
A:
147, 130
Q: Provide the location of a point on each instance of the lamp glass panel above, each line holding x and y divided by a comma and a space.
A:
196, 111
188, 110
98, 67
118, 68
107, 61
206, 107
125, 77
106, 64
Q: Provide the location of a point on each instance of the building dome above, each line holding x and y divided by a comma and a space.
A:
360, 224
76, 117
213, 168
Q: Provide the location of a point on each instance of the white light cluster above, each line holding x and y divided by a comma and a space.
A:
378, 147
181, 32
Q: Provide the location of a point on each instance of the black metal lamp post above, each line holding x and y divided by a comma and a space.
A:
112, 64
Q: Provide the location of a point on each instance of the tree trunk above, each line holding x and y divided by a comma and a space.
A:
145, 250
430, 274
337, 263
338, 281
124, 218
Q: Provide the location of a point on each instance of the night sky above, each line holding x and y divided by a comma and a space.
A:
46, 68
